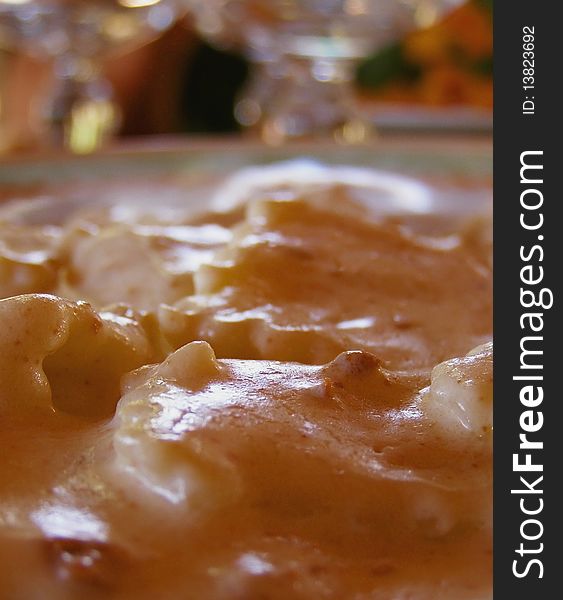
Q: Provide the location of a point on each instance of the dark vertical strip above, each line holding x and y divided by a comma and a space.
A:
528, 425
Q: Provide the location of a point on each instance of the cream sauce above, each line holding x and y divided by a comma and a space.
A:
322, 455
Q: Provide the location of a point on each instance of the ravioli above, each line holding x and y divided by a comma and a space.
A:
28, 259
57, 354
141, 265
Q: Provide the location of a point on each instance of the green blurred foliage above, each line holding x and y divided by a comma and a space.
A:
391, 64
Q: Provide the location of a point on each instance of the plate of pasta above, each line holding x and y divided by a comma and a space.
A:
273, 382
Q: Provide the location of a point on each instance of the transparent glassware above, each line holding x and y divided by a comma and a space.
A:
75, 36
304, 55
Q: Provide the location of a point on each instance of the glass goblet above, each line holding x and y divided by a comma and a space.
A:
305, 53
75, 36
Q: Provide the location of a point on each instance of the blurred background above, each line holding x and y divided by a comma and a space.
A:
199, 69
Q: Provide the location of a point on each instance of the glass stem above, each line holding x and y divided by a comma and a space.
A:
316, 99
80, 113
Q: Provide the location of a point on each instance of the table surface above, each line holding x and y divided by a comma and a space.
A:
161, 165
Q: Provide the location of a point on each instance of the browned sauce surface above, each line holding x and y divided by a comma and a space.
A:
305, 282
